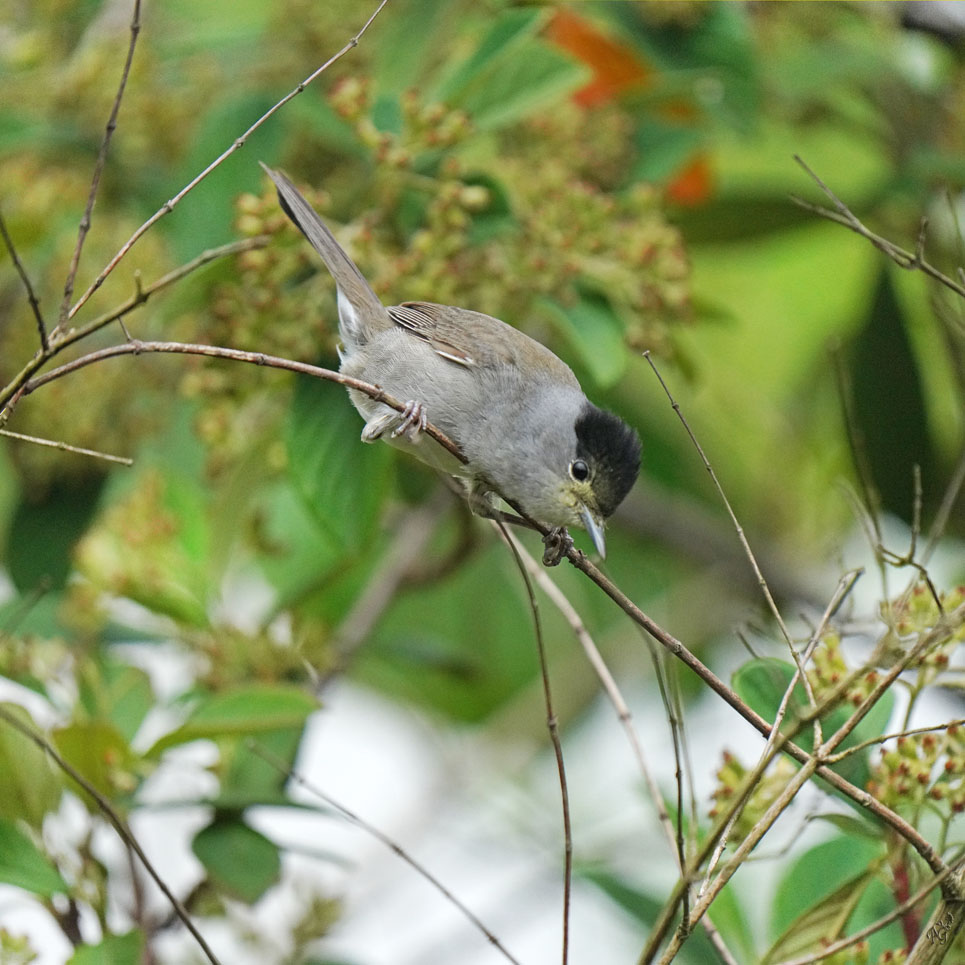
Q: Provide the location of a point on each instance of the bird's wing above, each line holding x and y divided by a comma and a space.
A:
462, 336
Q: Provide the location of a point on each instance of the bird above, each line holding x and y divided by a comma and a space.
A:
515, 410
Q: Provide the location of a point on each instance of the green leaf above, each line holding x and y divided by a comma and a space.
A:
511, 73
664, 148
43, 533
819, 892
342, 481
645, 908
116, 691
255, 710
30, 787
497, 217
823, 923
97, 749
238, 859
595, 332
23, 865
113, 950
889, 403
250, 778
762, 683
408, 32
513, 27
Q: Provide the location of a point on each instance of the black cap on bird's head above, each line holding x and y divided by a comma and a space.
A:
611, 450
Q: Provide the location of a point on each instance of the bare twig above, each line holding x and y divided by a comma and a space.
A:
884, 738
65, 447
116, 820
25, 278
84, 225
843, 215
236, 145
283, 768
552, 723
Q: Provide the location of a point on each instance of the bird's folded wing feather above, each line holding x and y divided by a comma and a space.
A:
462, 336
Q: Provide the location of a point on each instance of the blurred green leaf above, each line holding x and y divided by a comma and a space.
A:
663, 148
97, 750
889, 404
410, 30
826, 870
595, 332
513, 27
877, 901
239, 860
511, 74
253, 710
117, 692
342, 481
113, 950
252, 777
31, 786
44, 531
497, 216
24, 866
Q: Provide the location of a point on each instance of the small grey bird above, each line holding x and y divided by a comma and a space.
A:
514, 409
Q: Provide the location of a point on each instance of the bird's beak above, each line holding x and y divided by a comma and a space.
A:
595, 528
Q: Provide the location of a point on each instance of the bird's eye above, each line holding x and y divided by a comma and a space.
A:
579, 470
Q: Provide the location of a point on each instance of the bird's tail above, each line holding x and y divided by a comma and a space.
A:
361, 313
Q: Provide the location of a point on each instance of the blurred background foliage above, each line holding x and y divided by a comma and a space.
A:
609, 177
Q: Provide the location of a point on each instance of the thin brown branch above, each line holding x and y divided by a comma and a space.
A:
65, 447
283, 768
576, 558
552, 723
745, 545
84, 227
25, 278
142, 293
236, 145
843, 215
119, 824
137, 347
612, 691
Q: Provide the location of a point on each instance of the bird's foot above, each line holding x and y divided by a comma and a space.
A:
414, 420
557, 543
411, 421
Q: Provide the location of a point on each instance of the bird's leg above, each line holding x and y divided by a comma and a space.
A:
557, 543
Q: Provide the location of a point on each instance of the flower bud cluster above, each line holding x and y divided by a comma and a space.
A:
916, 614
730, 778
828, 669
919, 767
